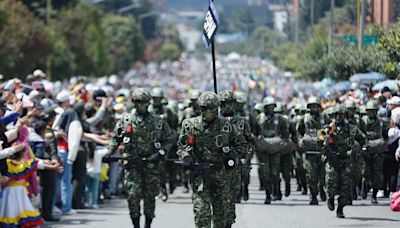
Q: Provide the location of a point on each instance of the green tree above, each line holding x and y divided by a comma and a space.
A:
169, 51
24, 41
124, 40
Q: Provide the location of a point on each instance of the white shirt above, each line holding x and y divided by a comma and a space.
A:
94, 165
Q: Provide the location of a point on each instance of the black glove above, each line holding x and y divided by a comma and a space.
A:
187, 162
156, 157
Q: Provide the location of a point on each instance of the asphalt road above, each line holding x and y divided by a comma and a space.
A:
292, 212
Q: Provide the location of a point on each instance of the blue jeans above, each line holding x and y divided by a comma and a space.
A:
92, 181
64, 180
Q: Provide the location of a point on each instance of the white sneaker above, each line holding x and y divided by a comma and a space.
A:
95, 206
71, 212
380, 194
57, 210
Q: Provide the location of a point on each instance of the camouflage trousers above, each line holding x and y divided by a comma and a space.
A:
271, 171
234, 185
286, 166
372, 170
357, 166
315, 172
339, 180
262, 158
209, 200
142, 186
299, 168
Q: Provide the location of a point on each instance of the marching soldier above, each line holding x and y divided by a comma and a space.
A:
336, 141
208, 144
315, 169
272, 136
166, 168
143, 138
375, 130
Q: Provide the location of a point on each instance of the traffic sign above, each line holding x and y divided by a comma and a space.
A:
367, 40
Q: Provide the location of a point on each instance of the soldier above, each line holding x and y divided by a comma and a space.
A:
375, 130
208, 144
235, 175
286, 163
239, 102
300, 111
272, 136
357, 162
337, 150
193, 110
258, 109
166, 168
315, 172
144, 138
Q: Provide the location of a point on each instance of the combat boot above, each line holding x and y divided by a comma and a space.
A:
268, 197
364, 190
164, 194
185, 187
148, 223
354, 193
298, 189
322, 194
228, 226
373, 199
278, 192
304, 191
245, 192
313, 200
136, 222
287, 189
331, 204
339, 211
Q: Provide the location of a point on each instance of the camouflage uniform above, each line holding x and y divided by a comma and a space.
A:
206, 144
273, 134
357, 161
315, 169
193, 110
145, 138
287, 153
337, 148
261, 157
242, 122
375, 130
298, 162
235, 176
166, 168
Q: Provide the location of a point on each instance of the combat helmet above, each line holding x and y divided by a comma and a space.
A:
259, 107
349, 104
157, 92
280, 108
313, 100
372, 105
269, 101
195, 94
208, 100
226, 96
141, 94
240, 97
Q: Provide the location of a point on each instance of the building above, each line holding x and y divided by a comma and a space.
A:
384, 12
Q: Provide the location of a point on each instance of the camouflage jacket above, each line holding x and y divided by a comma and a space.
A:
276, 125
141, 137
243, 127
339, 140
374, 128
209, 144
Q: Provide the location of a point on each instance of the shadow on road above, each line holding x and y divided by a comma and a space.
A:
373, 219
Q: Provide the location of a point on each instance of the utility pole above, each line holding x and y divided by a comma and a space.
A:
331, 18
296, 12
312, 4
48, 18
362, 25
